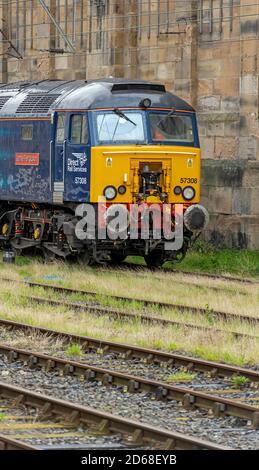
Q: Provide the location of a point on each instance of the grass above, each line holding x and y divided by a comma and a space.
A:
3, 417
239, 381
15, 304
212, 345
226, 261
74, 350
181, 377
205, 258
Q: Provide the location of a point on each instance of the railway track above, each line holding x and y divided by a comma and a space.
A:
146, 303
190, 398
132, 433
12, 444
143, 318
97, 309
136, 267
132, 352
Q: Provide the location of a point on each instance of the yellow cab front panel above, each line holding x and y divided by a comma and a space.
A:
122, 164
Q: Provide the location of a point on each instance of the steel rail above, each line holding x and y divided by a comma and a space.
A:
190, 398
6, 443
222, 277
138, 432
159, 274
143, 318
147, 303
132, 352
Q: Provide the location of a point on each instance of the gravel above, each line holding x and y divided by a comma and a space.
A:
228, 431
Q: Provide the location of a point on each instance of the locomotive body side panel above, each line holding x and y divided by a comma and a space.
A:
24, 159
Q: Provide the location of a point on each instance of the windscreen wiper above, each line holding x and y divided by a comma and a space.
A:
122, 115
171, 113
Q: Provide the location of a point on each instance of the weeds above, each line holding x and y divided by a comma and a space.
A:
181, 377
74, 350
239, 381
3, 417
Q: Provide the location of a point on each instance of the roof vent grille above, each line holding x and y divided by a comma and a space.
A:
36, 103
3, 100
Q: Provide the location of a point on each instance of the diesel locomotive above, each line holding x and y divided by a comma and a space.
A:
67, 143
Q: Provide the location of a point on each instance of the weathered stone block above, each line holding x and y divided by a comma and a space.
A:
215, 129
182, 86
249, 103
217, 117
226, 147
249, 84
207, 147
251, 175
205, 87
229, 87
209, 68
231, 129
248, 148
206, 103
61, 62
220, 200
230, 104
255, 202
241, 201
222, 173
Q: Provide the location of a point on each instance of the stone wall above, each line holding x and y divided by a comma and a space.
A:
203, 50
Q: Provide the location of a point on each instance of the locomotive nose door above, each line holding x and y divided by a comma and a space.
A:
59, 149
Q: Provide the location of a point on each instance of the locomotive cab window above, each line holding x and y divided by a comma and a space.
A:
27, 132
171, 127
78, 129
119, 126
60, 135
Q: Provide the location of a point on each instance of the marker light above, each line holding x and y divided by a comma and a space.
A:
177, 190
122, 189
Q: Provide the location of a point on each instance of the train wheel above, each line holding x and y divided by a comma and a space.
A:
85, 259
154, 260
117, 258
49, 257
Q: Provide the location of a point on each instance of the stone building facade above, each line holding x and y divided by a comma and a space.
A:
203, 50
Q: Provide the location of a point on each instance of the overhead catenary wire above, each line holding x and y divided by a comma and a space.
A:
147, 13
122, 29
226, 6
79, 36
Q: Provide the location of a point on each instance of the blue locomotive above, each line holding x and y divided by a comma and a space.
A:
64, 143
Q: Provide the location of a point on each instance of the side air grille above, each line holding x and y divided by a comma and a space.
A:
36, 103
3, 100
138, 87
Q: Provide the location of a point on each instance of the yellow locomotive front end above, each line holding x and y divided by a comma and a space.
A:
148, 156
146, 173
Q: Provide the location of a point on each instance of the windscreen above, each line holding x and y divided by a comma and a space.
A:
176, 128
126, 127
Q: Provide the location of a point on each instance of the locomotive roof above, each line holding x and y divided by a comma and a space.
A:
41, 97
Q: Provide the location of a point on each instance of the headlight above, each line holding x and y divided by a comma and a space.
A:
145, 103
110, 192
188, 193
